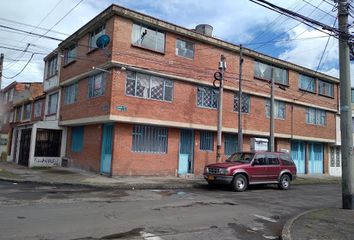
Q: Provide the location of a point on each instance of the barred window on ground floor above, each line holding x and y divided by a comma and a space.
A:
230, 144
48, 143
150, 139
206, 140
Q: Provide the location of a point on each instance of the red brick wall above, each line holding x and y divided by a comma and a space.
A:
89, 157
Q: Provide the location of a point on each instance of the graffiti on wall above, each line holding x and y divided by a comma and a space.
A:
47, 161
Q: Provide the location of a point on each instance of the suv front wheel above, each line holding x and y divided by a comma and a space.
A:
239, 183
284, 182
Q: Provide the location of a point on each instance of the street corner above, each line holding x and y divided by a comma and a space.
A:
324, 223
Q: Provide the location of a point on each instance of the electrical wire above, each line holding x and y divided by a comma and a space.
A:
24, 67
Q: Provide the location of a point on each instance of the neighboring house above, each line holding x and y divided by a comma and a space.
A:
145, 105
7, 114
38, 140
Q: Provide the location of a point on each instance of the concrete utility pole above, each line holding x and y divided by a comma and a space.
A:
345, 108
240, 133
222, 68
1, 67
271, 114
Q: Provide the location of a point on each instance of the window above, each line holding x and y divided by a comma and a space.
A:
18, 114
27, 109
279, 109
207, 97
185, 49
245, 103
149, 139
70, 54
97, 85
70, 93
315, 116
94, 35
37, 108
206, 140
53, 103
77, 139
285, 159
148, 86
148, 38
265, 71
11, 94
260, 159
11, 117
230, 144
48, 143
325, 88
272, 159
52, 66
307, 83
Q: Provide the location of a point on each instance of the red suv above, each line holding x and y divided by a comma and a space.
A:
247, 168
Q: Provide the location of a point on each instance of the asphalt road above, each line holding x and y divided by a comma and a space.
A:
49, 213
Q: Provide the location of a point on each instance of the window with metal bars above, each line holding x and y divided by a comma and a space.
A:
207, 97
149, 139
48, 143
245, 103
206, 140
148, 86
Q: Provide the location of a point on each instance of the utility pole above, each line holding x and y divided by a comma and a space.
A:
271, 113
240, 133
345, 108
1, 67
222, 67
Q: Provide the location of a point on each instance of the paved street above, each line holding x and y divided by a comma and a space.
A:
49, 212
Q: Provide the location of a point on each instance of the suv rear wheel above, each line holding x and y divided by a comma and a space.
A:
284, 182
239, 183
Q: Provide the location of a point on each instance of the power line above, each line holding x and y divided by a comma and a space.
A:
24, 67
30, 33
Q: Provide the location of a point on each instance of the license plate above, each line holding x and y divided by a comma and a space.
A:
210, 178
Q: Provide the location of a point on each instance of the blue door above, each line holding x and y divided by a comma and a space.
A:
298, 150
315, 158
106, 149
186, 146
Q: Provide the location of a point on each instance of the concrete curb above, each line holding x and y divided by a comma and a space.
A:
123, 186
286, 232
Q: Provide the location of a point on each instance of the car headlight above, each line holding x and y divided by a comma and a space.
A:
224, 171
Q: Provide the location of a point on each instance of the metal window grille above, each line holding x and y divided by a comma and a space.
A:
206, 140
230, 144
149, 139
207, 97
48, 143
149, 87
245, 103
97, 85
77, 139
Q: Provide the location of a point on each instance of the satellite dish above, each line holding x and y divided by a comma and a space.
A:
103, 41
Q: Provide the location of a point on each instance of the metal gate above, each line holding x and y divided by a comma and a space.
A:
107, 147
315, 158
25, 143
335, 158
298, 150
186, 146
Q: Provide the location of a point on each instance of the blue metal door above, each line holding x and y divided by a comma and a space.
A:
106, 149
315, 158
186, 146
298, 150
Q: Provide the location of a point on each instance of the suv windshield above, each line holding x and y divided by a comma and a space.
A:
241, 157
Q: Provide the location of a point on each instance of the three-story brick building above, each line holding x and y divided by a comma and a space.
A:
145, 104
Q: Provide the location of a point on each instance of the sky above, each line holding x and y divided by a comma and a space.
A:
239, 22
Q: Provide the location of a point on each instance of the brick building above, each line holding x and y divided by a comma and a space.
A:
145, 104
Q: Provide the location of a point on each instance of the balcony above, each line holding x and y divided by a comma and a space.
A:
51, 83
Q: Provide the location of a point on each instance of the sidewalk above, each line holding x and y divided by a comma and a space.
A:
324, 224
70, 176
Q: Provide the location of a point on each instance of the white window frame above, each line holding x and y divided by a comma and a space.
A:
49, 110
142, 33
